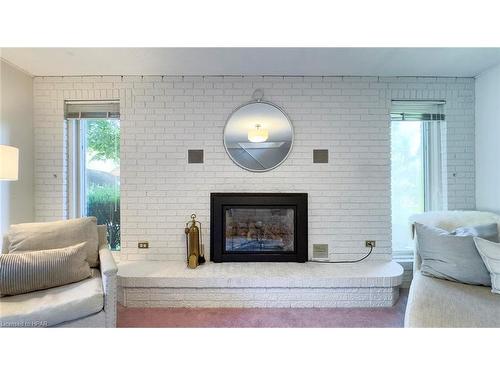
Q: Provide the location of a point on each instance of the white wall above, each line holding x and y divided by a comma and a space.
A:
16, 120
488, 140
163, 117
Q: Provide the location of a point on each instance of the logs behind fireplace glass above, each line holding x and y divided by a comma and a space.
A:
259, 229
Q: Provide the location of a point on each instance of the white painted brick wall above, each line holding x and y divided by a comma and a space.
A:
163, 117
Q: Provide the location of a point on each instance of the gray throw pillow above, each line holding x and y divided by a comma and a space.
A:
56, 235
490, 252
26, 272
453, 256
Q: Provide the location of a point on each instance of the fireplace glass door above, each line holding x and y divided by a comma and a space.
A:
259, 229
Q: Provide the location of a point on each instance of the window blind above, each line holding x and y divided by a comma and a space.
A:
91, 109
417, 110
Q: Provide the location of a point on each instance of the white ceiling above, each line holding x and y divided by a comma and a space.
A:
454, 62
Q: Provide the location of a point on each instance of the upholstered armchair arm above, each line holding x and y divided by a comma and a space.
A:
109, 280
5, 246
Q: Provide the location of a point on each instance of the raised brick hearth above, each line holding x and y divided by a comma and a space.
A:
172, 284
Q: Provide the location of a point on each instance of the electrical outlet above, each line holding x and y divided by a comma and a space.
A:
370, 243
143, 245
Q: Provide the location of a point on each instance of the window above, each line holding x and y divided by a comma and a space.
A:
94, 164
416, 166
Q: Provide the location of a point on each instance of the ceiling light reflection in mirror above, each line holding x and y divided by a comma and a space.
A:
258, 136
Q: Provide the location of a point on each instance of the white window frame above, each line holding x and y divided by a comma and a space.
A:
433, 167
74, 112
433, 184
77, 179
76, 175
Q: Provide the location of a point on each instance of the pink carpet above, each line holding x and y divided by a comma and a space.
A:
391, 317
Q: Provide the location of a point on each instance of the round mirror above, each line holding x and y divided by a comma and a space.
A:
258, 136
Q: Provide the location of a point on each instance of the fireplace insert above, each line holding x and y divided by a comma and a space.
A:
258, 227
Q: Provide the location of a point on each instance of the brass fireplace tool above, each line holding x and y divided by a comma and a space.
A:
194, 243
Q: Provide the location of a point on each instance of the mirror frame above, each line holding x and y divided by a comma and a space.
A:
284, 114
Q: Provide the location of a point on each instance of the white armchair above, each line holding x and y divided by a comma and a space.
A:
109, 284
88, 303
440, 303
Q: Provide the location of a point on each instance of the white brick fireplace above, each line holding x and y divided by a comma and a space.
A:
162, 117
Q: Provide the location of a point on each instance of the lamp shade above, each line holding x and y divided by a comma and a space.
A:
9, 161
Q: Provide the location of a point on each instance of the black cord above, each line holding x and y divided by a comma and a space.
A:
345, 261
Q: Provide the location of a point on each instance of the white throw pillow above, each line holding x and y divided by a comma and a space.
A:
490, 252
55, 235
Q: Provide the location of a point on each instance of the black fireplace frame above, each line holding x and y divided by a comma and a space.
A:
220, 201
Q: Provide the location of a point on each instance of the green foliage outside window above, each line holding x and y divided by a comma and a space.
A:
103, 189
103, 138
103, 202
